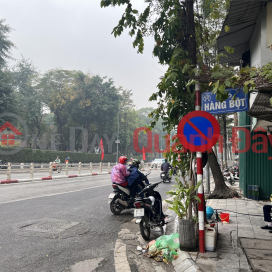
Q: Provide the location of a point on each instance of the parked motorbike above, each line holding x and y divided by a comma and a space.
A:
228, 176
121, 198
165, 176
148, 210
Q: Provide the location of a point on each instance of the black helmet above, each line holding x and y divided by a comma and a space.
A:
136, 163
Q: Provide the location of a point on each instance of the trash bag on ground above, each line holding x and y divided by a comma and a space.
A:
163, 249
167, 241
169, 255
151, 247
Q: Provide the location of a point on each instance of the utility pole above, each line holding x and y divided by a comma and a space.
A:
117, 141
126, 133
200, 178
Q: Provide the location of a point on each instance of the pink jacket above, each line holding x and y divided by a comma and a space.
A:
119, 173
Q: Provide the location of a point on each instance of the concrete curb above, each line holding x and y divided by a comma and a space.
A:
184, 263
50, 178
120, 257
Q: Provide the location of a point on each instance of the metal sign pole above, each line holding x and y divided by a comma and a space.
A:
200, 178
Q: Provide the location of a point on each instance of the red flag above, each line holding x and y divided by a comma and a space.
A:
102, 149
144, 158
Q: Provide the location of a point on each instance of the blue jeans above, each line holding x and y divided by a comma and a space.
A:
267, 211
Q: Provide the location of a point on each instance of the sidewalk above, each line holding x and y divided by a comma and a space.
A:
242, 245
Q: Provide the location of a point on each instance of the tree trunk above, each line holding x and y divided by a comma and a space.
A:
190, 37
221, 190
215, 150
225, 139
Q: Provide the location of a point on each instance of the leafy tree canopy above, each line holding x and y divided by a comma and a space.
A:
5, 44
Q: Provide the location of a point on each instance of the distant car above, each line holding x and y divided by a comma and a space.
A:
3, 165
157, 162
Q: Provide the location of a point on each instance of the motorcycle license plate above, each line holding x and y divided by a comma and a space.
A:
162, 175
111, 195
138, 212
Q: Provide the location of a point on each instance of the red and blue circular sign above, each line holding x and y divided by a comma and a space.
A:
198, 131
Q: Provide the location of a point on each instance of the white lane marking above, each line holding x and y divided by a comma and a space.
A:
69, 192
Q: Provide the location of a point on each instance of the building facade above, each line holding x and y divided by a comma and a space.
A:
250, 34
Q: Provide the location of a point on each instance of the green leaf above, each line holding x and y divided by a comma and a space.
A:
227, 29
228, 83
135, 11
229, 49
245, 89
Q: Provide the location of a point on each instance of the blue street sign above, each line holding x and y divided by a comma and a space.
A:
213, 106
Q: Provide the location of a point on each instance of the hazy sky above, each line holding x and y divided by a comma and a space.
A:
76, 35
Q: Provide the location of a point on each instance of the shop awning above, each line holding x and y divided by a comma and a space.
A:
241, 20
260, 106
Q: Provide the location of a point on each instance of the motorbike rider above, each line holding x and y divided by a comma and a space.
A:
166, 166
57, 160
119, 172
136, 178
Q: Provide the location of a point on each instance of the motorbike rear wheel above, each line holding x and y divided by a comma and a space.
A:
115, 207
144, 228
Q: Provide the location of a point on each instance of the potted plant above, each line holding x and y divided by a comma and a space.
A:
183, 195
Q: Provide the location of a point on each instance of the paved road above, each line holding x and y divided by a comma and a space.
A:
52, 225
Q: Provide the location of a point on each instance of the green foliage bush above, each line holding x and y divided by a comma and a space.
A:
38, 156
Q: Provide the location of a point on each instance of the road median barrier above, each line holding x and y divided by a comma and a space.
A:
9, 181
72, 176
46, 178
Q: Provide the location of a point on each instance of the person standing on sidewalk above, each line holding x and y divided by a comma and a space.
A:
267, 217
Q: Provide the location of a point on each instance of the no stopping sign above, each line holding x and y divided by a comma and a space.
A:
198, 131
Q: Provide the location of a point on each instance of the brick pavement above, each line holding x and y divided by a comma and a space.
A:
242, 245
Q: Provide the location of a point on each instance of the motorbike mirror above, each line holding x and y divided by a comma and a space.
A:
148, 173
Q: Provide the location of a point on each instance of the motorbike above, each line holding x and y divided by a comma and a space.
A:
3, 165
148, 210
56, 167
165, 176
228, 176
121, 198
